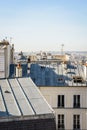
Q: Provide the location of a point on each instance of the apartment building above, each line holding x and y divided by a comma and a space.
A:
6, 58
65, 89
70, 105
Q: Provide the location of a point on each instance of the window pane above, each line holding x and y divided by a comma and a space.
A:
61, 122
76, 121
60, 100
63, 100
76, 102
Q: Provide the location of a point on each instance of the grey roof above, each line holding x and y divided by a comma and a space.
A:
56, 74
21, 97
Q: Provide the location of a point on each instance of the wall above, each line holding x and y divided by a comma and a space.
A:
38, 124
51, 93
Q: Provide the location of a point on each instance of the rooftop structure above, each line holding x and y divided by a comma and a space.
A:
4, 42
57, 73
20, 96
48, 56
22, 102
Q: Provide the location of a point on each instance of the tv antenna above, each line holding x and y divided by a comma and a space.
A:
62, 46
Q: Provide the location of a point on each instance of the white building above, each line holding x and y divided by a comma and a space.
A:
70, 105
6, 58
66, 95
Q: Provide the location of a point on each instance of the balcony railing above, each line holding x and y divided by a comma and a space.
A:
76, 105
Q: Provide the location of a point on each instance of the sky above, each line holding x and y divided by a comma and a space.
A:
44, 25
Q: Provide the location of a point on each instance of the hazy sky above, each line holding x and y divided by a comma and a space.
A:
36, 25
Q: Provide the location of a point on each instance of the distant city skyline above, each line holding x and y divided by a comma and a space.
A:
44, 25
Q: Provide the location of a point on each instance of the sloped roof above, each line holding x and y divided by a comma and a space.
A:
21, 97
56, 74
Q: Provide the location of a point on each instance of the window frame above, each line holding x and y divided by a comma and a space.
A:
61, 101
76, 101
76, 122
61, 122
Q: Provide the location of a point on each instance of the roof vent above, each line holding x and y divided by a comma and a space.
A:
7, 91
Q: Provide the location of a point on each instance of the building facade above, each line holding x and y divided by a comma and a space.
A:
65, 89
70, 105
6, 58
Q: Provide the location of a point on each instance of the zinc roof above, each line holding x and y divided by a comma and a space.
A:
57, 74
21, 97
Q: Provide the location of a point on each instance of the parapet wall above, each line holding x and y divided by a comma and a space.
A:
37, 124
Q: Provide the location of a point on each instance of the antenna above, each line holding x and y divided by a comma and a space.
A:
6, 38
62, 45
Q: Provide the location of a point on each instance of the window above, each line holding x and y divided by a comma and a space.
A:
60, 100
61, 122
78, 79
76, 101
76, 122
61, 80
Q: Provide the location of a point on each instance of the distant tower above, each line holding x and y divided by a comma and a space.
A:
62, 45
5, 58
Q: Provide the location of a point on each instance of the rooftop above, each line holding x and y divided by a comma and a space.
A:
58, 74
21, 97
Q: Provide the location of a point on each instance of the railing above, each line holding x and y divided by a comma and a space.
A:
76, 105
